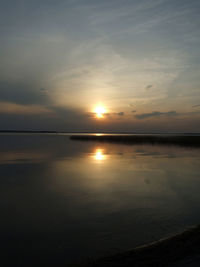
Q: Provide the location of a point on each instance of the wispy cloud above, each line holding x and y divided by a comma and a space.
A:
13, 108
120, 113
43, 90
156, 114
196, 106
149, 86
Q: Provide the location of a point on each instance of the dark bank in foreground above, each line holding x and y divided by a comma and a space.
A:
182, 249
182, 140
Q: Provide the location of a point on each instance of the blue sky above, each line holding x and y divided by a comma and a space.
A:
137, 58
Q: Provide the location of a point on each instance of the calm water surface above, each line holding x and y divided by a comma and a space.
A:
63, 201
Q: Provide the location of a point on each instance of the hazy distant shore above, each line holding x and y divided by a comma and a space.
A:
181, 140
180, 250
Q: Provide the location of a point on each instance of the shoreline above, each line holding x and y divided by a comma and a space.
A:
180, 140
178, 250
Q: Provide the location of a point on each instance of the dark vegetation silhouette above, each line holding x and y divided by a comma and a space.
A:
181, 140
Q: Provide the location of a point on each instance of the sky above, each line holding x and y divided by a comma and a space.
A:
137, 60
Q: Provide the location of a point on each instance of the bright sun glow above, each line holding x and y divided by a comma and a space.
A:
99, 154
100, 111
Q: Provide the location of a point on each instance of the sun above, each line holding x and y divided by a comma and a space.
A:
100, 111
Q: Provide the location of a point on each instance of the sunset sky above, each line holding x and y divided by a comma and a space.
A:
109, 65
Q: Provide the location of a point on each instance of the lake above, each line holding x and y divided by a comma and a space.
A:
64, 201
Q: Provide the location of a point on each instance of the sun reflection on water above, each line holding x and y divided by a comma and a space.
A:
99, 154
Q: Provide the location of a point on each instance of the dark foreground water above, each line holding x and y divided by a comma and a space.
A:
63, 201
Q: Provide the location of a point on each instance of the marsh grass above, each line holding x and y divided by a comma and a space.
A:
181, 140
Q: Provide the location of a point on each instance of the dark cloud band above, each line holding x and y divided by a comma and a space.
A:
156, 114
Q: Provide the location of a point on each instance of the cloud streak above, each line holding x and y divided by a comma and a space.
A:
119, 113
149, 86
13, 108
156, 114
